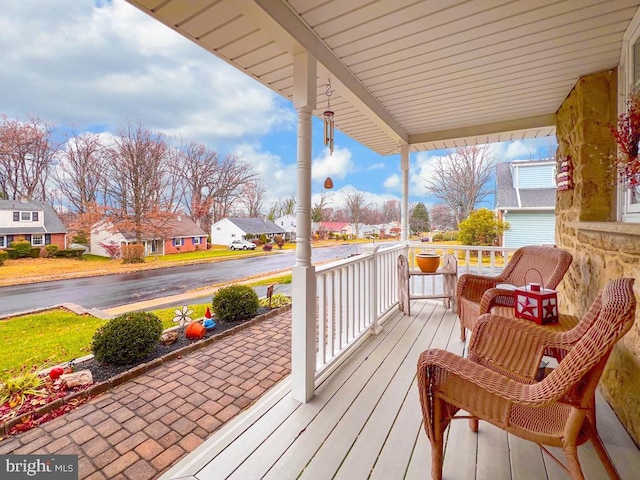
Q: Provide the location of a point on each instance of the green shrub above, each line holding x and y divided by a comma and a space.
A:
234, 303
35, 252
263, 239
3, 256
127, 339
81, 238
132, 253
22, 247
50, 250
13, 254
69, 252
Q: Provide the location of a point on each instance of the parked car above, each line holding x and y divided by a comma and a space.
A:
242, 245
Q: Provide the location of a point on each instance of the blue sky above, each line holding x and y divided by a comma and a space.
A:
94, 65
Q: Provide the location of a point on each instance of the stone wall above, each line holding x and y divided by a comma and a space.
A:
602, 249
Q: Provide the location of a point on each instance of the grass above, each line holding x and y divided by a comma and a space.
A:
44, 339
284, 279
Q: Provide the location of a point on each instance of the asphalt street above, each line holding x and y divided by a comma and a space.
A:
108, 291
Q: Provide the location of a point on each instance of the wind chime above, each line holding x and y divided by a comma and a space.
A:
328, 120
328, 129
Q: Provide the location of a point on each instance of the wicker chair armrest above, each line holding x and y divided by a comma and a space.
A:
512, 346
457, 377
497, 297
473, 286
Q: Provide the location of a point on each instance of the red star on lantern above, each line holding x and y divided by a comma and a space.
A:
529, 307
550, 310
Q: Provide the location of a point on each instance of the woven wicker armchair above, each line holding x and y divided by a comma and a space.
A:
554, 412
477, 294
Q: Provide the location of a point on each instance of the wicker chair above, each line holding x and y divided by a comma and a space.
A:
477, 294
553, 412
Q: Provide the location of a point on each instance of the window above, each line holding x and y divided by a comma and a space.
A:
3, 241
629, 80
34, 216
196, 240
177, 242
16, 216
37, 240
25, 216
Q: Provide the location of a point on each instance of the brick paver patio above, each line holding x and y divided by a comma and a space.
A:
140, 428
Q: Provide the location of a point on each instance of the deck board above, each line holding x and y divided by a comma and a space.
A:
365, 422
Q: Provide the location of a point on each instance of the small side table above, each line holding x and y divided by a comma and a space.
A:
449, 272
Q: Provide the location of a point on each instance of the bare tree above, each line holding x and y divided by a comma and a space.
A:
225, 189
27, 152
138, 169
318, 209
81, 172
354, 206
391, 211
442, 217
460, 179
253, 197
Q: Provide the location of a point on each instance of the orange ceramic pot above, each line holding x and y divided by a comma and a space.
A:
428, 262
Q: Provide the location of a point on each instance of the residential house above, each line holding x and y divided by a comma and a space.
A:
226, 230
415, 77
288, 224
526, 199
335, 229
178, 234
31, 220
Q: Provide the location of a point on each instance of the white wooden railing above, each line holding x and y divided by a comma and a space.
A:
354, 295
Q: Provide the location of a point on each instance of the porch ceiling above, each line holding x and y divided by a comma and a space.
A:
432, 73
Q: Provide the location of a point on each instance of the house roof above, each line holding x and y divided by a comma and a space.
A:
424, 73
530, 198
51, 221
177, 227
256, 226
333, 226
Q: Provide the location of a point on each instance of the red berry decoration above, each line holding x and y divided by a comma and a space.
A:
55, 372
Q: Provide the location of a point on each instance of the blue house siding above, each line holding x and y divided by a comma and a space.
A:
530, 228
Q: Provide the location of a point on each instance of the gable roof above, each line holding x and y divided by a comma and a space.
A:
530, 198
177, 227
51, 221
333, 226
255, 225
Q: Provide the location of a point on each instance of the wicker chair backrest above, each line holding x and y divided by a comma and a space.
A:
551, 262
615, 318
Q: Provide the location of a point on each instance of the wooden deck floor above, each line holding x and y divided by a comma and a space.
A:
365, 422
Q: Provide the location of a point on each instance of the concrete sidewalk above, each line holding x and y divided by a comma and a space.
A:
140, 428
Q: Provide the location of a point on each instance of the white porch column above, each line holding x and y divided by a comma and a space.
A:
404, 215
303, 328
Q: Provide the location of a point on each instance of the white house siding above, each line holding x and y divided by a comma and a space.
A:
225, 231
535, 176
101, 235
530, 228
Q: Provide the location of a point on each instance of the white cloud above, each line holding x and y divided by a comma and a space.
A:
392, 182
336, 166
421, 171
278, 178
71, 62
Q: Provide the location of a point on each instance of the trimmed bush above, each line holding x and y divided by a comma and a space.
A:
3, 256
69, 252
132, 253
22, 248
13, 254
35, 252
267, 247
127, 339
49, 251
235, 303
